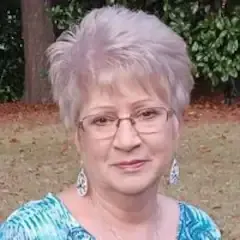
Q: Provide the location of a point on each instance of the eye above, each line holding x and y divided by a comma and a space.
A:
150, 113
102, 120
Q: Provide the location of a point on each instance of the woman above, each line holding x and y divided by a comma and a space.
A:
122, 80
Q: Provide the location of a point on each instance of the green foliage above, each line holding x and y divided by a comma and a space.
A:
11, 56
72, 11
216, 50
212, 35
65, 15
213, 38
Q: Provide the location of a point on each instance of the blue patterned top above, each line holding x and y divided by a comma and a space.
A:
49, 219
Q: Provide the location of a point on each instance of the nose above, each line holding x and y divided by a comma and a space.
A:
126, 138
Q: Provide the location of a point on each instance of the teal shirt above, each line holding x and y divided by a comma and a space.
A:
49, 219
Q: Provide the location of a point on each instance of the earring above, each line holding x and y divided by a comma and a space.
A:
174, 173
82, 183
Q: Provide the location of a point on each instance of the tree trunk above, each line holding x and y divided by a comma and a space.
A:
37, 35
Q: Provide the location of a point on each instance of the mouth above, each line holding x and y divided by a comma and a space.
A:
132, 165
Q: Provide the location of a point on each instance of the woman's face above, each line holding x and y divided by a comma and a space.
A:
128, 162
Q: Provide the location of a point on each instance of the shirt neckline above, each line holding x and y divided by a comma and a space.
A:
78, 225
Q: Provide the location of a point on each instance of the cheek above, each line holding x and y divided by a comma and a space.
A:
95, 155
162, 144
95, 150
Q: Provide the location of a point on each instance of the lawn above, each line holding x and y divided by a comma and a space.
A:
39, 159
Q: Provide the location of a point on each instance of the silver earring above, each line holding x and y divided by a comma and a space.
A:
82, 183
174, 172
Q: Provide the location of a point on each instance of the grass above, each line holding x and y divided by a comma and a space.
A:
41, 159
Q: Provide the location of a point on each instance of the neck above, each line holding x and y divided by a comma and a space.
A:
127, 209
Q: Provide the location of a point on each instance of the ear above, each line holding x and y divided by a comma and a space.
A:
77, 141
177, 127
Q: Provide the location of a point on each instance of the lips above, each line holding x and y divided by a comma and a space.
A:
133, 164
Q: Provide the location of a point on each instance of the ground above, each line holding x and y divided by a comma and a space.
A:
37, 156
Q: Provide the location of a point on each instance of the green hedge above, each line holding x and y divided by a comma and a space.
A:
212, 34
11, 56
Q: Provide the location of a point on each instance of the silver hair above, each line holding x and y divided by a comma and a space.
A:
117, 40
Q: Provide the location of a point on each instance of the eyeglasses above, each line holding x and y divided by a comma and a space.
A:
144, 121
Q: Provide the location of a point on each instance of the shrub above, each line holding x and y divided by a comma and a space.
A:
11, 56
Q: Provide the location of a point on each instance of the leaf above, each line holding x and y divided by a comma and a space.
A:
199, 57
215, 80
235, 21
165, 7
224, 78
219, 24
217, 207
238, 67
201, 64
232, 46
172, 16
227, 22
233, 73
219, 42
71, 7
210, 74
223, 34
229, 62
195, 47
195, 7
236, 45
206, 58
14, 140
207, 8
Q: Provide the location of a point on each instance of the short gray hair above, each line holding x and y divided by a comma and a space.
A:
117, 39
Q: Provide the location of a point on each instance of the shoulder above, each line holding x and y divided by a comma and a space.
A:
35, 220
10, 230
196, 224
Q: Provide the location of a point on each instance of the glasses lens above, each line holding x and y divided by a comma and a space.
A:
100, 126
151, 120
148, 120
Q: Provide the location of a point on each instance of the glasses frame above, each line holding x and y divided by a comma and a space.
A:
169, 113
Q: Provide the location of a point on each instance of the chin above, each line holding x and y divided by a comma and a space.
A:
135, 186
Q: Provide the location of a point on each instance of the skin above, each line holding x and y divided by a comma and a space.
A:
118, 201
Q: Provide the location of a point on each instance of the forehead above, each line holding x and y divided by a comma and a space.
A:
124, 93
116, 88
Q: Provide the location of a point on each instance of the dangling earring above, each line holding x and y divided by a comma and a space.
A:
174, 172
82, 183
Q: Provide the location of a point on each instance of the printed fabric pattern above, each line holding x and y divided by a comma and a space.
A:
49, 219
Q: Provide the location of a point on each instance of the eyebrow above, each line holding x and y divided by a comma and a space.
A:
140, 103
105, 107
